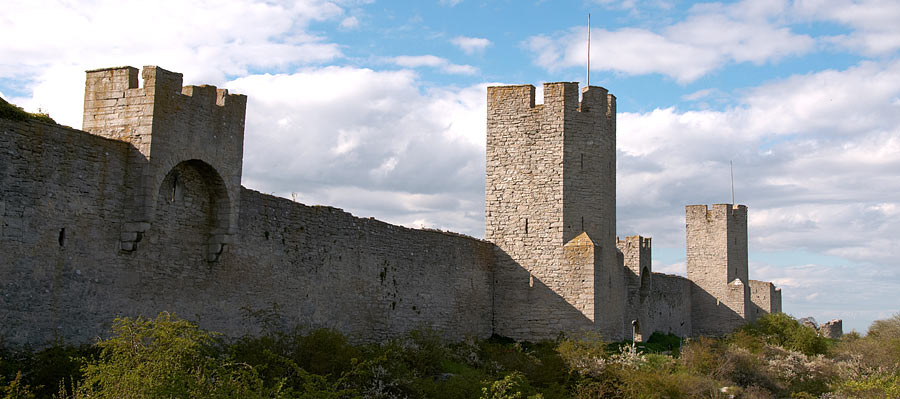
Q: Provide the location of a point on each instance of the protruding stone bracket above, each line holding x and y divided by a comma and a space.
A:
131, 235
216, 246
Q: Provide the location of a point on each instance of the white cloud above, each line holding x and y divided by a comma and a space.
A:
828, 292
875, 30
415, 61
677, 268
708, 39
350, 23
817, 159
206, 40
375, 142
450, 3
633, 4
471, 45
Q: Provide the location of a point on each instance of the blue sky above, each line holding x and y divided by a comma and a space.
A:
379, 108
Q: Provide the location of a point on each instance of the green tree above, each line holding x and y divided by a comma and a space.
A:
165, 358
783, 330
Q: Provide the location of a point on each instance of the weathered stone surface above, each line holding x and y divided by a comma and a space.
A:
143, 212
550, 178
764, 298
717, 265
833, 329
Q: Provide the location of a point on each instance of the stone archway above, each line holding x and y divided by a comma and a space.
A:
192, 210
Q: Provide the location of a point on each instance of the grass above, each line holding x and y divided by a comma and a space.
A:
12, 112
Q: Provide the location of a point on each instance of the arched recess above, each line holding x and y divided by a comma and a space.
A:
636, 334
193, 208
645, 284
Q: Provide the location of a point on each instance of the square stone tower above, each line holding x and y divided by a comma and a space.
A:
176, 132
717, 266
551, 210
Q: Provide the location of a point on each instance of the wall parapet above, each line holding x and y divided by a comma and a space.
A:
169, 125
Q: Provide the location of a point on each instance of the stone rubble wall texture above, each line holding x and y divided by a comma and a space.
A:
833, 329
143, 212
717, 266
669, 305
763, 298
168, 124
776, 301
549, 178
66, 195
636, 257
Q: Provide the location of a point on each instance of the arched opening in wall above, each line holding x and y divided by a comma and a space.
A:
636, 335
192, 209
645, 284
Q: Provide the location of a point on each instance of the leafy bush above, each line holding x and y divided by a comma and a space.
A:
706, 357
783, 330
165, 357
659, 342
16, 389
512, 386
585, 353
169, 357
874, 386
887, 329
45, 370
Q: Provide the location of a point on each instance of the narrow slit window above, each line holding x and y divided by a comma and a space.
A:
174, 186
582, 161
526, 226
62, 237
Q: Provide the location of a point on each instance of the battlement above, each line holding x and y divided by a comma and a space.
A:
641, 241
715, 211
109, 91
557, 96
170, 128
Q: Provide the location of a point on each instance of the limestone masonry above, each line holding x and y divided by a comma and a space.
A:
143, 212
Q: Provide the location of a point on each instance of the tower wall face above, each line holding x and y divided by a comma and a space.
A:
549, 178
717, 265
636, 256
166, 125
762, 298
776, 301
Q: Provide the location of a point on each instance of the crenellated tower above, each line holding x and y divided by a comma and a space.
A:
717, 266
550, 209
185, 140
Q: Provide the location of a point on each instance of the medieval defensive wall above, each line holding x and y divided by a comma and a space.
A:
142, 211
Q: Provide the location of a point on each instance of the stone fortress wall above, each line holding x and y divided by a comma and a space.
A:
143, 212
71, 260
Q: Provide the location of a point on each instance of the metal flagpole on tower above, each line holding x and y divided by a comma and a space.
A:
732, 182
589, 52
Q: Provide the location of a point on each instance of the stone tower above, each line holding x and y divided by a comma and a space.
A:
551, 210
636, 257
717, 266
185, 141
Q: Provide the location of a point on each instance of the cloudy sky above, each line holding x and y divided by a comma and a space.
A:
379, 108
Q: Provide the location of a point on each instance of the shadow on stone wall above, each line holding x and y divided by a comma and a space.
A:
525, 308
